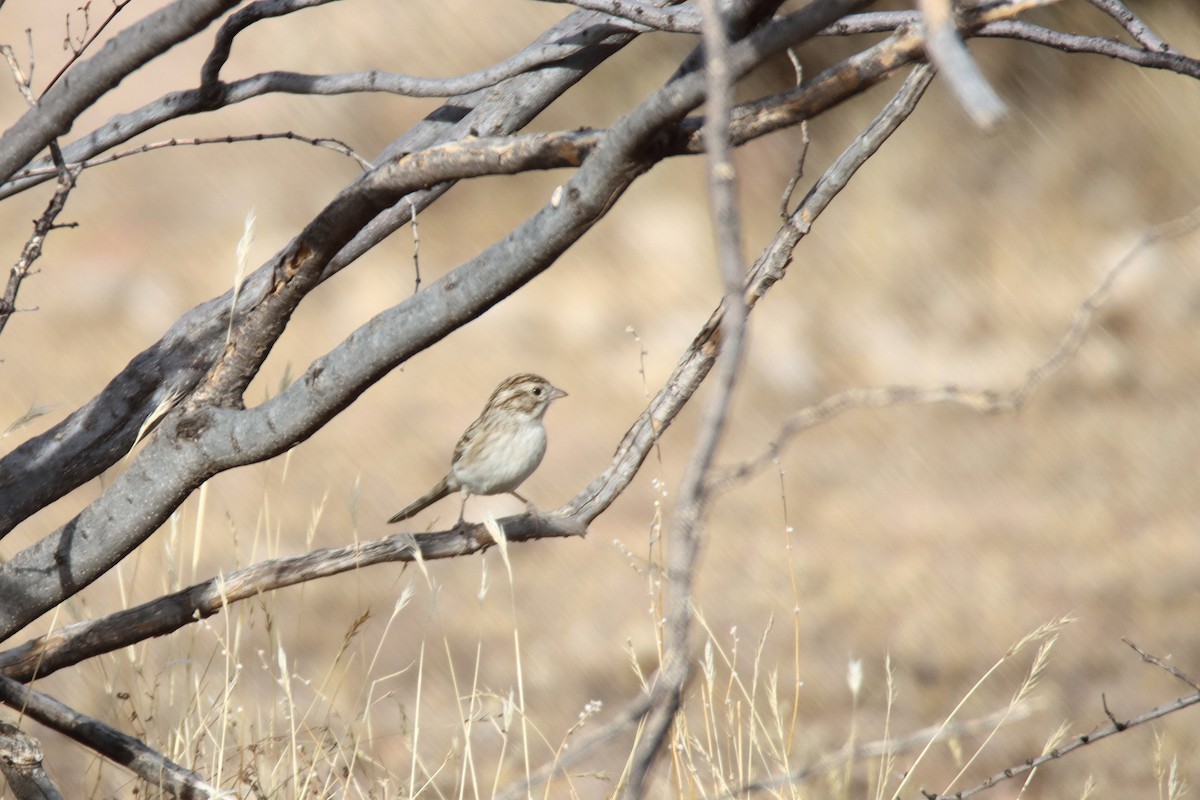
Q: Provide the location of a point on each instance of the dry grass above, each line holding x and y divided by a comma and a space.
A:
918, 543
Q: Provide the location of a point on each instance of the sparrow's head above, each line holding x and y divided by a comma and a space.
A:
525, 394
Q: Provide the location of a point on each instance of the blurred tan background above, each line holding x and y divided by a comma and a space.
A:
933, 536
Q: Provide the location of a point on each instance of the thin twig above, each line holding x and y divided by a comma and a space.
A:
1115, 726
1140, 32
76, 52
1076, 43
23, 78
416, 253
326, 142
41, 229
1163, 665
798, 172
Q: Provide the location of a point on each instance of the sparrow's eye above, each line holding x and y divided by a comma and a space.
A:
537, 391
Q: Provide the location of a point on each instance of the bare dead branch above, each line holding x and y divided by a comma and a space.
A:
872, 22
1170, 60
1170, 669
552, 63
1114, 727
215, 93
148, 764
1140, 32
326, 142
21, 762
41, 229
78, 50
210, 72
995, 22
416, 253
855, 74
988, 401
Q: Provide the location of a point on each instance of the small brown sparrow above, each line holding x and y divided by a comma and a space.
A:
501, 449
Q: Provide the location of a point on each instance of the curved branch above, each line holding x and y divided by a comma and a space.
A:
210, 72
1170, 60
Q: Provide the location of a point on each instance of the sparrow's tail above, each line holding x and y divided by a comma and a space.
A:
424, 501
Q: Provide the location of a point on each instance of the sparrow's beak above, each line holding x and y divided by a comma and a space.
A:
556, 393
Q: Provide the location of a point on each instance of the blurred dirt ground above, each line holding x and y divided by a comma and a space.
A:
932, 536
